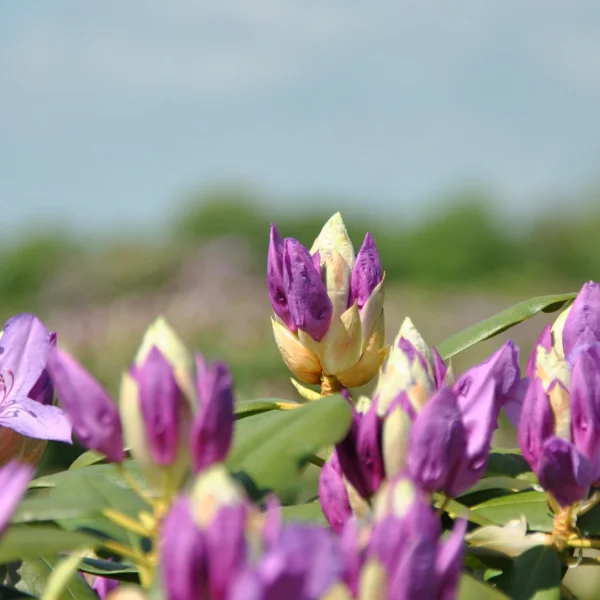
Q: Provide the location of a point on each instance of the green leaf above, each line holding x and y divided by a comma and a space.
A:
271, 447
501, 322
20, 542
472, 589
506, 508
109, 569
93, 488
91, 457
247, 408
36, 572
534, 574
8, 593
509, 463
64, 577
589, 523
311, 511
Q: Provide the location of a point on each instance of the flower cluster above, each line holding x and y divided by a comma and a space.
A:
328, 303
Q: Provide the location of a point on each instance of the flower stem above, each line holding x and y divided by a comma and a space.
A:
329, 385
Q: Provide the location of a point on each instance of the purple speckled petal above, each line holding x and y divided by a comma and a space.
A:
582, 325
24, 349
310, 306
366, 274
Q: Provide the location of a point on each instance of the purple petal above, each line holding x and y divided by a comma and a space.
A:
513, 402
43, 390
347, 454
183, 555
412, 353
450, 560
247, 586
275, 281
353, 556
103, 586
564, 471
310, 306
94, 415
439, 368
160, 401
582, 325
536, 424
437, 445
14, 479
226, 548
212, 429
274, 520
24, 349
366, 274
368, 447
481, 392
35, 420
545, 341
333, 495
585, 407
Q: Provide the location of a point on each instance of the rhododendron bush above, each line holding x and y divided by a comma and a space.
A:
187, 493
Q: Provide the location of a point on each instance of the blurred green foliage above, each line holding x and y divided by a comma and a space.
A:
462, 245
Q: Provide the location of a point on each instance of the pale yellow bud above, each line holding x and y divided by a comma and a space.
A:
301, 361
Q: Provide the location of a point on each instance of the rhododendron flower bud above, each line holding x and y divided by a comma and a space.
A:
328, 303
212, 429
94, 415
559, 429
156, 410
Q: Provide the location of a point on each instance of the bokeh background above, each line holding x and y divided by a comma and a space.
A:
146, 146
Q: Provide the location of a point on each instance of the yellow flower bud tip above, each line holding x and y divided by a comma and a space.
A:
127, 592
403, 496
334, 236
212, 489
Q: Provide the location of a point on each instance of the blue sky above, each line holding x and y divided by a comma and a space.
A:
110, 110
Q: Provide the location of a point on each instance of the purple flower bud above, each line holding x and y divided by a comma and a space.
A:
212, 429
544, 341
440, 368
333, 495
536, 424
585, 406
103, 586
160, 399
184, 555
309, 305
94, 415
438, 445
564, 471
449, 561
360, 452
481, 392
14, 479
366, 274
275, 282
582, 325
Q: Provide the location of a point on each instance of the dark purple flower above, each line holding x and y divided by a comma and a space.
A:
94, 415
309, 305
366, 273
24, 349
582, 325
212, 429
14, 479
160, 400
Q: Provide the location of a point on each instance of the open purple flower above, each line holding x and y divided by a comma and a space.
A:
24, 349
